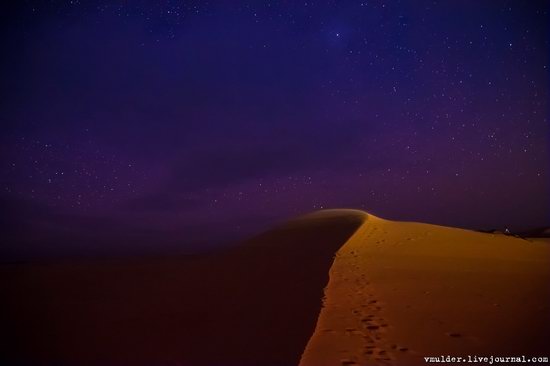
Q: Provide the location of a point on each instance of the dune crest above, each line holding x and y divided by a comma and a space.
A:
396, 292
400, 291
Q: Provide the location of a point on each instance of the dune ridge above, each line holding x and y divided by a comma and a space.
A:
392, 293
399, 291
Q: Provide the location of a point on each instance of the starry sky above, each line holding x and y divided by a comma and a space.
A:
143, 126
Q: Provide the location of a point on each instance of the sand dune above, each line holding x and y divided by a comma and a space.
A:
401, 291
254, 305
396, 292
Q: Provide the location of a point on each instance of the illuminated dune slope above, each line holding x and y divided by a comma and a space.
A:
401, 291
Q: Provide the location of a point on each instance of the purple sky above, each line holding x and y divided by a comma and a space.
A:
144, 126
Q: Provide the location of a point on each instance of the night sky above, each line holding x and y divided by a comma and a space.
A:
137, 126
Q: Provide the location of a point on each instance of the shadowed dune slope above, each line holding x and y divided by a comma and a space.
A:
254, 305
400, 291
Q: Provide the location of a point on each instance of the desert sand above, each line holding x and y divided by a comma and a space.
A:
400, 291
256, 304
330, 288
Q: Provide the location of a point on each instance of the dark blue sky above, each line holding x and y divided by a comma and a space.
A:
142, 125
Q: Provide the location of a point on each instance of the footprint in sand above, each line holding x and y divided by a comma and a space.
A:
352, 331
346, 361
369, 341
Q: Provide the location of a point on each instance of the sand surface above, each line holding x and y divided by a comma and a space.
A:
255, 305
391, 293
401, 291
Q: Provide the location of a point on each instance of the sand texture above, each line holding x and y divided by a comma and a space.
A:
336, 287
400, 291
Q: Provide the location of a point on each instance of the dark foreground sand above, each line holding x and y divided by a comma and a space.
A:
255, 305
